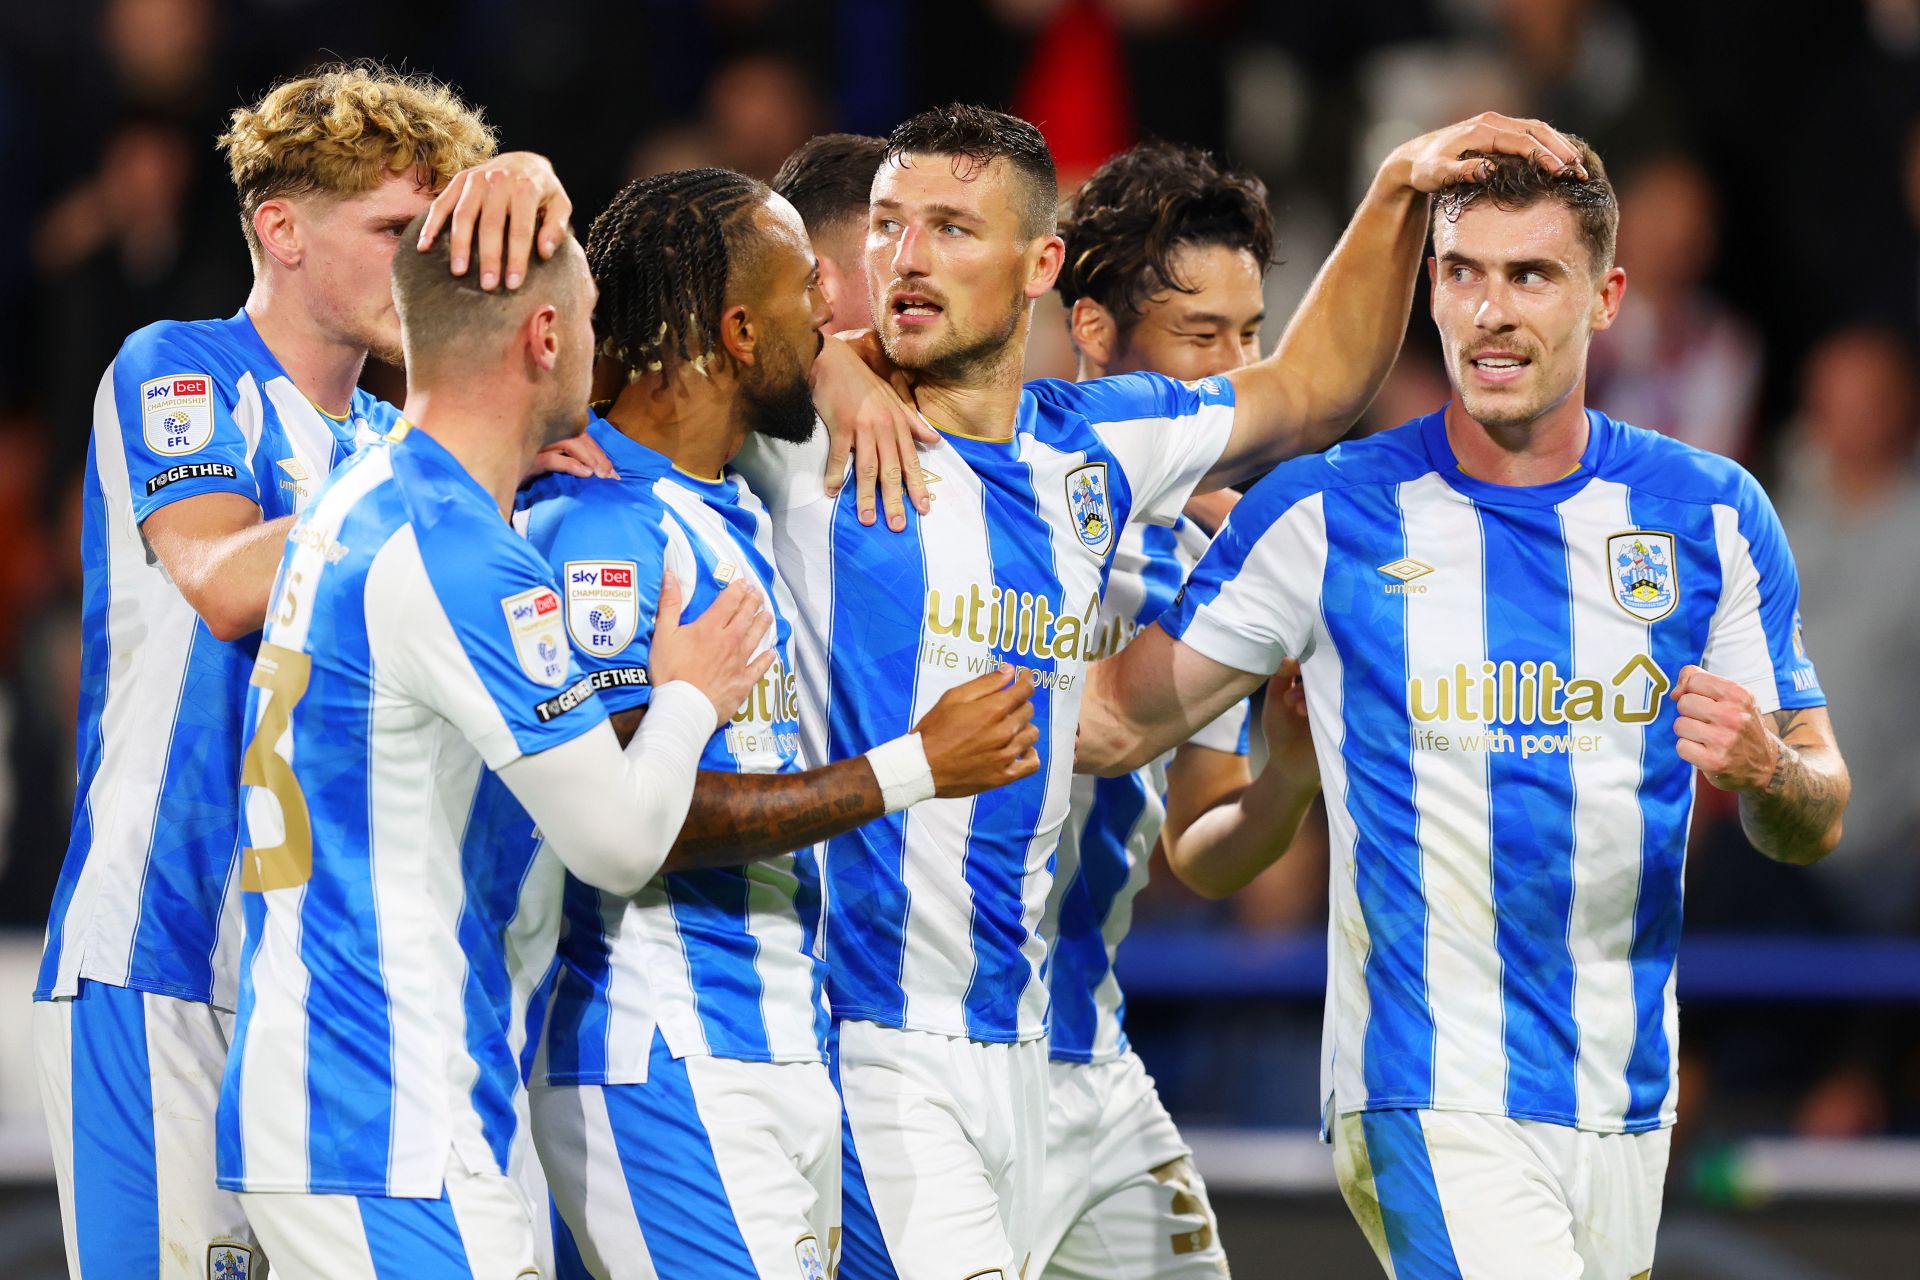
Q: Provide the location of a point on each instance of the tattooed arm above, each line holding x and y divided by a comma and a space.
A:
1785, 766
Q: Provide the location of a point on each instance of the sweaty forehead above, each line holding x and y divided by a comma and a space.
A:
921, 180
1486, 233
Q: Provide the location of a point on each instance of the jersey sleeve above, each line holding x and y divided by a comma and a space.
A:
1254, 599
171, 407
1229, 733
473, 628
1167, 435
1755, 635
608, 562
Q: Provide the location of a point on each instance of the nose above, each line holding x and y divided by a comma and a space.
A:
909, 253
1492, 313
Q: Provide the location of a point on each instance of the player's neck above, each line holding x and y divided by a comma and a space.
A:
1546, 449
324, 369
981, 403
485, 427
692, 421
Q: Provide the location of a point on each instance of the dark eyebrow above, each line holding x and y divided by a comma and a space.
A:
1516, 264
1208, 317
949, 211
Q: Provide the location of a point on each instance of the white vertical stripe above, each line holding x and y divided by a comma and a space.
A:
938, 959
1607, 822
588, 1179
311, 437
1446, 630
1737, 642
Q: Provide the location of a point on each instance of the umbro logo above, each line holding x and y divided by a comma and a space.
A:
1403, 571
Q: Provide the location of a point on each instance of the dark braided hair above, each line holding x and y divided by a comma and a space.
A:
1124, 225
663, 255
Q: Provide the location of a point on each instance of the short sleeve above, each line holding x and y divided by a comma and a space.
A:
473, 627
171, 408
1166, 435
1253, 600
1755, 638
608, 562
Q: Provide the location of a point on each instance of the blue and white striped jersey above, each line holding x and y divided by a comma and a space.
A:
393, 937
1114, 824
721, 959
1487, 670
143, 901
933, 913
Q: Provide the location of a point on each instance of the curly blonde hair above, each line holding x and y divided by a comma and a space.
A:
344, 128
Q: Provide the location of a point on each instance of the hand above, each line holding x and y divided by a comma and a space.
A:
1458, 152
714, 652
495, 205
1283, 723
1722, 733
575, 456
877, 423
981, 734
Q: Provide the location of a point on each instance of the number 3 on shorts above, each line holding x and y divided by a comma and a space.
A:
283, 674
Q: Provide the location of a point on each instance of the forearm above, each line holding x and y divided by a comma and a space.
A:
738, 818
1223, 849
1796, 816
227, 578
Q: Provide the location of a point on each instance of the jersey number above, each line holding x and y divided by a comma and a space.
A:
283, 673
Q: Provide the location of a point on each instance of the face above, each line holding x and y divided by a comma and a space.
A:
789, 314
1516, 305
347, 260
1215, 329
949, 274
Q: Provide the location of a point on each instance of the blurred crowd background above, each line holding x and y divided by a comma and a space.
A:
1769, 174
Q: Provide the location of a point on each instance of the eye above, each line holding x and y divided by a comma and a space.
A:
1529, 277
950, 230
886, 226
1459, 275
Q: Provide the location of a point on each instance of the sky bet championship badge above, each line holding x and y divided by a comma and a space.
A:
1087, 500
603, 605
1643, 573
538, 638
176, 413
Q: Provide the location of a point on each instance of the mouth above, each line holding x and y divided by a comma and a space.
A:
1493, 368
914, 309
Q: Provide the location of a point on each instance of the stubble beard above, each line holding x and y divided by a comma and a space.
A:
966, 360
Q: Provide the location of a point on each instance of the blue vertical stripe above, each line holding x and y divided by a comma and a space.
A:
1529, 619
1411, 1216
577, 1032
874, 644
116, 1186
1666, 797
230, 1153
1020, 545
710, 912
411, 1239
1079, 954
1369, 630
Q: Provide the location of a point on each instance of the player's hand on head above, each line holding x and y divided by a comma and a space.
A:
715, 652
1283, 722
871, 419
981, 734
577, 455
492, 212
1721, 731
1458, 152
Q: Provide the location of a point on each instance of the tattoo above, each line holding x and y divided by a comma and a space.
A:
737, 818
1790, 817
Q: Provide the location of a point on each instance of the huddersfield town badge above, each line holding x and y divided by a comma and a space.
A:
1645, 581
227, 1261
812, 1265
1087, 502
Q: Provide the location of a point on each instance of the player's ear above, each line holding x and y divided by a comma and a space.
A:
1044, 262
1093, 331
739, 333
542, 336
276, 226
1606, 300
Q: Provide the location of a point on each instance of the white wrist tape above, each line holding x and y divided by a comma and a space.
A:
901, 768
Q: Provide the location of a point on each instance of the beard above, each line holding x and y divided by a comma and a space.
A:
778, 403
962, 357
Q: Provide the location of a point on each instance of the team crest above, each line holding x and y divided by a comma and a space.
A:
227, 1261
812, 1265
603, 605
176, 414
539, 639
1641, 568
1087, 502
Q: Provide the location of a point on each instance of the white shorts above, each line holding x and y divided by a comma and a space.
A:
945, 1144
131, 1083
479, 1229
1121, 1199
712, 1168
1446, 1194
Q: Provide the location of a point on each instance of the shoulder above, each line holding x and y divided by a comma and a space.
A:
1129, 397
572, 516
1390, 457
173, 348
1665, 467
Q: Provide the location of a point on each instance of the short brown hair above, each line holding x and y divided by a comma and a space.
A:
442, 312
973, 137
345, 128
1516, 182
829, 178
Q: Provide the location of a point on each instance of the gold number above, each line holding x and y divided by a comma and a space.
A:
283, 673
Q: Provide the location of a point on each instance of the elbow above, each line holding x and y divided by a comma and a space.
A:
225, 617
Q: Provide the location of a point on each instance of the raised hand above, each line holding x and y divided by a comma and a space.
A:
715, 652
575, 456
1459, 152
981, 734
492, 211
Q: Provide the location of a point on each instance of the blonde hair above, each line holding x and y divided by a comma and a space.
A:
345, 128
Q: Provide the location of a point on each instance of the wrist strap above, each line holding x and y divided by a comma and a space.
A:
901, 768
